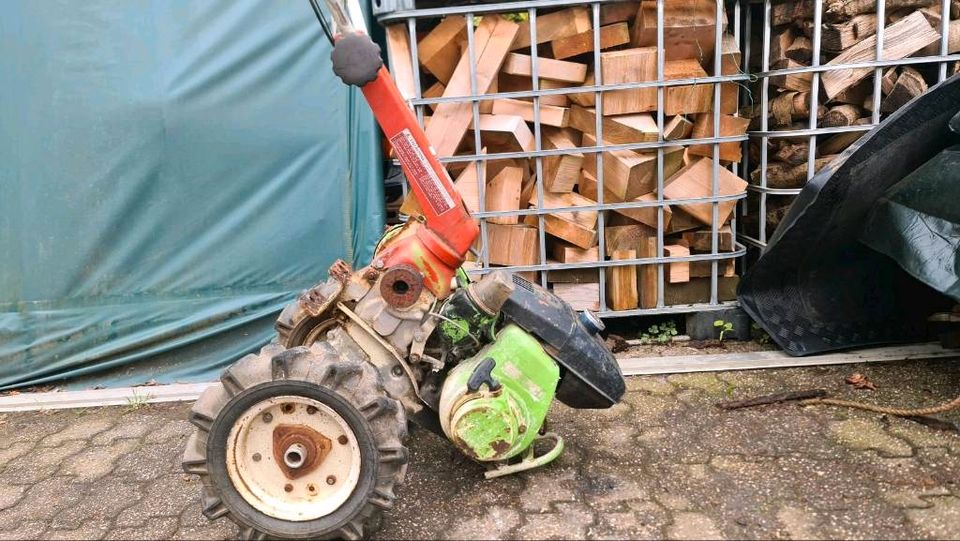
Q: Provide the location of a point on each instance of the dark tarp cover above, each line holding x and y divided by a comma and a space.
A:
816, 288
171, 174
917, 223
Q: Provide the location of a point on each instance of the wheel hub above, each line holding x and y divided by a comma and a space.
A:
299, 449
293, 458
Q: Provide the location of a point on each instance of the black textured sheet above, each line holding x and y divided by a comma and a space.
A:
817, 288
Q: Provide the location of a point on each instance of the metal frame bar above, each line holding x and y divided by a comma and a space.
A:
737, 252
856, 65
764, 121
587, 88
598, 131
479, 9
538, 142
661, 91
715, 173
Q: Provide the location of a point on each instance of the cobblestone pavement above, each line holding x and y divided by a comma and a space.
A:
665, 463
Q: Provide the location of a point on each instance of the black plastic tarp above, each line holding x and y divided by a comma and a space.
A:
817, 288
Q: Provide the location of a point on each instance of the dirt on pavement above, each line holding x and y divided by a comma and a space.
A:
663, 464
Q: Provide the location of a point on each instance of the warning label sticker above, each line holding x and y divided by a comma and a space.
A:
420, 171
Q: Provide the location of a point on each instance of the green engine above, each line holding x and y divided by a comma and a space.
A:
493, 405
503, 342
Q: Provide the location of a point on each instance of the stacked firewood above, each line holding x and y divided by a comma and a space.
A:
848, 35
502, 48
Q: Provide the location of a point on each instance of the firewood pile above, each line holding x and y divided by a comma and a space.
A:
502, 62
848, 35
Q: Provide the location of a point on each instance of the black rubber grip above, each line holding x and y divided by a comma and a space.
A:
356, 59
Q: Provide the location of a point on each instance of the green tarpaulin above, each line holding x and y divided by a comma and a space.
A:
171, 173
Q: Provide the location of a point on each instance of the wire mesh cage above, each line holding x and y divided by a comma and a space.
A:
598, 143
827, 72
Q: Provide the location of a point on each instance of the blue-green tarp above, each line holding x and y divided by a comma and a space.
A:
172, 173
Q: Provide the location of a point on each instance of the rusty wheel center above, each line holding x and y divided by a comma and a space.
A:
299, 449
293, 458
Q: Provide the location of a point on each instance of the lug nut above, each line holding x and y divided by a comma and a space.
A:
396, 371
256, 457
288, 487
268, 417
331, 480
311, 410
342, 440
287, 408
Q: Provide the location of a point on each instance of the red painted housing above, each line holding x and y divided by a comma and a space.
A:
438, 246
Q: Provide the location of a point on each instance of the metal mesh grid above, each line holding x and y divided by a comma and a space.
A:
766, 203
413, 19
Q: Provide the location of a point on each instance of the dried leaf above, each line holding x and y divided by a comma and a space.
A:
859, 381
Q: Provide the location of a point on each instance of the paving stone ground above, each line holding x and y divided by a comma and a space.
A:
663, 464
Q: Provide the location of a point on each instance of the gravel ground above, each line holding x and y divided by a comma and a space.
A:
663, 464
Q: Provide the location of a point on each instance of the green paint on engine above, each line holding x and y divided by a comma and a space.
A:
496, 425
455, 330
463, 279
463, 326
487, 427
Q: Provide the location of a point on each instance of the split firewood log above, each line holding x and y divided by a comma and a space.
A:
793, 153
838, 10
837, 143
782, 175
888, 80
841, 115
792, 106
910, 84
801, 50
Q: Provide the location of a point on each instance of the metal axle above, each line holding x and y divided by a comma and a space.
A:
295, 456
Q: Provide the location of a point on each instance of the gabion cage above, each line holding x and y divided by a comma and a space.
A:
847, 74
684, 267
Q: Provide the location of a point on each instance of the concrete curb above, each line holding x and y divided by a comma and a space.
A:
120, 396
636, 366
631, 366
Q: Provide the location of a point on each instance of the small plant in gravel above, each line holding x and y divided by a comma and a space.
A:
661, 333
760, 336
724, 326
137, 401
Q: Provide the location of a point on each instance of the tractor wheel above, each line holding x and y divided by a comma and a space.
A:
298, 443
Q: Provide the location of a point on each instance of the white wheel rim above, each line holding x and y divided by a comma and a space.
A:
258, 478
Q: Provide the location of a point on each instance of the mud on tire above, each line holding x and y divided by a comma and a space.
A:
351, 387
